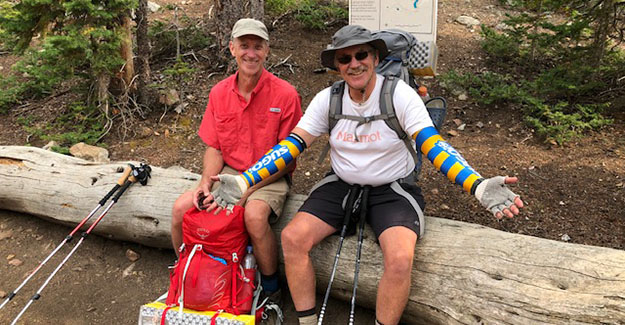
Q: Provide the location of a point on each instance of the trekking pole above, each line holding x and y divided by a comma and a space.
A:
349, 208
69, 237
361, 230
141, 175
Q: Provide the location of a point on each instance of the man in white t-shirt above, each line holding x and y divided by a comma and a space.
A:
370, 155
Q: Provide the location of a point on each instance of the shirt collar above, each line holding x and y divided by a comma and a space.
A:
264, 76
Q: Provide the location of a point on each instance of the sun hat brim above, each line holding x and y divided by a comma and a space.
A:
327, 55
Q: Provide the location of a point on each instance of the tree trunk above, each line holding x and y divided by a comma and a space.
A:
463, 273
227, 13
257, 9
128, 72
603, 26
143, 55
102, 84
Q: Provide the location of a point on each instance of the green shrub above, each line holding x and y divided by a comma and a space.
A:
78, 123
318, 15
313, 14
163, 37
280, 7
561, 122
60, 40
10, 92
559, 65
502, 47
487, 88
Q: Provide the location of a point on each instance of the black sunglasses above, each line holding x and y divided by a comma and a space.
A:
345, 59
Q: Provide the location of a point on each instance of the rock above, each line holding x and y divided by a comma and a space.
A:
128, 270
565, 237
462, 126
3, 294
6, 234
10, 257
463, 96
145, 132
502, 26
88, 152
90, 309
434, 191
452, 133
168, 97
132, 255
457, 121
16, 262
479, 125
50, 145
444, 206
154, 7
467, 21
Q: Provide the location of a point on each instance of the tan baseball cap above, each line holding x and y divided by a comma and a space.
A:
249, 26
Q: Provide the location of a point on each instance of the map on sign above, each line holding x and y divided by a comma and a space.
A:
415, 16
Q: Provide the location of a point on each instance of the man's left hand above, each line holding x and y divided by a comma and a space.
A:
228, 194
494, 195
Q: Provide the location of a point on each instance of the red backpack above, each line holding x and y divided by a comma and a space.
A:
208, 275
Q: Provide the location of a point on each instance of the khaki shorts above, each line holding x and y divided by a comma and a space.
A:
273, 194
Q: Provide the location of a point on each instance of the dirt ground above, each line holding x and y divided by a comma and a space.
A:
572, 193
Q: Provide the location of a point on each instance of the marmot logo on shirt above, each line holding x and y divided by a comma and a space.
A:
275, 109
349, 137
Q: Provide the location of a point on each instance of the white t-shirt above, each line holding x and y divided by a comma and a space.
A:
379, 157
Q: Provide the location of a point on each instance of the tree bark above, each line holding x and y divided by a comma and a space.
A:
226, 14
145, 96
463, 274
128, 72
257, 9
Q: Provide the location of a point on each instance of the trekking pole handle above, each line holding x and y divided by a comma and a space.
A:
122, 179
349, 206
122, 190
120, 182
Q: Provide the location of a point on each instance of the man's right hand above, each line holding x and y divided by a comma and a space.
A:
202, 196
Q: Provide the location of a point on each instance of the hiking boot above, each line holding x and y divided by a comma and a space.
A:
272, 314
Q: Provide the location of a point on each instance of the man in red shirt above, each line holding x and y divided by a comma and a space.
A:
247, 113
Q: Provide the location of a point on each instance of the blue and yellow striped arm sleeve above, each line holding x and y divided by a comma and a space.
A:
446, 159
274, 160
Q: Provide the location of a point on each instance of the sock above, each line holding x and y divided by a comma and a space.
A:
270, 282
307, 317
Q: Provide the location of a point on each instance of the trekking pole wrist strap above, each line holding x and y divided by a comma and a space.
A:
446, 159
274, 160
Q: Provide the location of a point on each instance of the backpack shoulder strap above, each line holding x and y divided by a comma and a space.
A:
336, 103
388, 109
335, 110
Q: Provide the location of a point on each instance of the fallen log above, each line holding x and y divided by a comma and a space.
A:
464, 273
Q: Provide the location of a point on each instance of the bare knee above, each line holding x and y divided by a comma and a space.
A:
182, 204
398, 264
294, 241
256, 218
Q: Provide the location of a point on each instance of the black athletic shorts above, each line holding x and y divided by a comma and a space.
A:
394, 204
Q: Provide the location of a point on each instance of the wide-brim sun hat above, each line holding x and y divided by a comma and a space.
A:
351, 35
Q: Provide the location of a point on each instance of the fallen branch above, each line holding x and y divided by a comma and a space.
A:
463, 273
